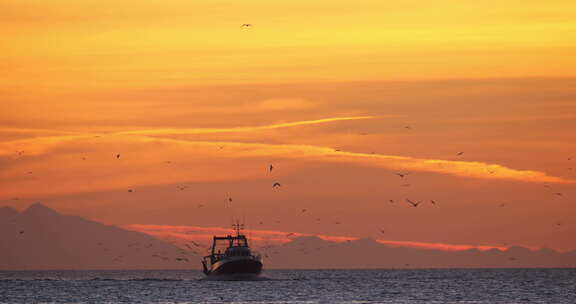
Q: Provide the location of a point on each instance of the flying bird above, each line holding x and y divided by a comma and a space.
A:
303, 210
413, 203
402, 174
559, 194
276, 184
270, 168
246, 25
230, 199
432, 202
382, 231
391, 201
117, 155
460, 153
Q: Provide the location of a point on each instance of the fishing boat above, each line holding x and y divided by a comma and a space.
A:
231, 255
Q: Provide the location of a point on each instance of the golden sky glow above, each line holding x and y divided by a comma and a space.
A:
476, 101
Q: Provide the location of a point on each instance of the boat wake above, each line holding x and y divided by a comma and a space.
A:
236, 277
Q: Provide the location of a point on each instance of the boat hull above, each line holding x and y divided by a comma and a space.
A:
236, 266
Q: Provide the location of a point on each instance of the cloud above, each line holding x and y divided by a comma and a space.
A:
191, 131
183, 234
52, 155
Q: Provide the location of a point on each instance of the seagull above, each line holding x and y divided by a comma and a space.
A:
402, 174
230, 199
270, 168
433, 202
391, 201
413, 203
276, 184
117, 155
130, 190
459, 153
246, 25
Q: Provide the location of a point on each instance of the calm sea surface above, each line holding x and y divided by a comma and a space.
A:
550, 286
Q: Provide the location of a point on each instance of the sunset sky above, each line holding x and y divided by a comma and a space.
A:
475, 100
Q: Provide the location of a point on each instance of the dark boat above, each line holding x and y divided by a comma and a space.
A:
236, 260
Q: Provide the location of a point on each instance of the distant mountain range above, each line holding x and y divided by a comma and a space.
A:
41, 238
313, 252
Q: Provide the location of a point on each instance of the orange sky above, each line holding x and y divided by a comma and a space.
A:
338, 96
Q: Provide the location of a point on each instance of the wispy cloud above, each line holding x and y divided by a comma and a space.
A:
145, 147
172, 131
203, 235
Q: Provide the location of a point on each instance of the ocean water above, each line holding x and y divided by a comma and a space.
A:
549, 286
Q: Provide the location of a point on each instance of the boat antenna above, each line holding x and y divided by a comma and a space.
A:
238, 227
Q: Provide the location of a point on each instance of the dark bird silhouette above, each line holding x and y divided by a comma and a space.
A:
413, 203
460, 153
382, 231
558, 193
408, 127
246, 25
21, 231
502, 205
402, 174
432, 202
303, 210
230, 199
270, 168
117, 155
276, 184
391, 201
130, 190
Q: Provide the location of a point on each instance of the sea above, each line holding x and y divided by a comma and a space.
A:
398, 286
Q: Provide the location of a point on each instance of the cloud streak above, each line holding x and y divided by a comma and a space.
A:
183, 234
192, 131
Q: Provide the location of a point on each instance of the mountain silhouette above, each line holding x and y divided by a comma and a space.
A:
41, 238
312, 252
